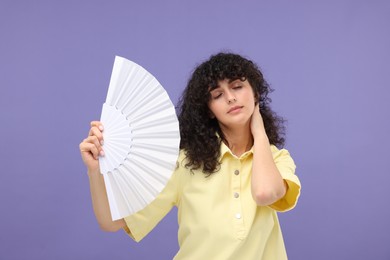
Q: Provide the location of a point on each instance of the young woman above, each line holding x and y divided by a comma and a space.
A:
230, 179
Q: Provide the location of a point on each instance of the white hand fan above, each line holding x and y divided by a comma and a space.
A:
141, 138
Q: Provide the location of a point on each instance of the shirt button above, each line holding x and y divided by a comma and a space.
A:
236, 195
236, 172
238, 216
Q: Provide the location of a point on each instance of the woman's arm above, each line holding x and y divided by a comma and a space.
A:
267, 184
90, 149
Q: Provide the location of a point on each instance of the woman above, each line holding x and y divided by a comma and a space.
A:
230, 178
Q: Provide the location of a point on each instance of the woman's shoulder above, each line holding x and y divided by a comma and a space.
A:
182, 165
182, 156
278, 152
181, 160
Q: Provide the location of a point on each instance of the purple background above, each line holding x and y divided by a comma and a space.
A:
329, 64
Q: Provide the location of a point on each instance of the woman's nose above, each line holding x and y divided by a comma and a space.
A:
230, 97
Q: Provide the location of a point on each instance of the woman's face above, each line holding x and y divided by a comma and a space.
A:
232, 103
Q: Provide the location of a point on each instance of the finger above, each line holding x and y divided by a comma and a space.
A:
86, 147
94, 140
97, 124
90, 140
94, 131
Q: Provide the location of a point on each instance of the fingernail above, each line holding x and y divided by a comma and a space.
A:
101, 142
100, 127
101, 153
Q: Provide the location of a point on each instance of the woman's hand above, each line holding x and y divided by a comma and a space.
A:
257, 124
91, 147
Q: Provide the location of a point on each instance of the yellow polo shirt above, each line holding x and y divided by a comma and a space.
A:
218, 218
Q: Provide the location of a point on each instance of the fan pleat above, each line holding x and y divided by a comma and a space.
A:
117, 204
145, 94
118, 70
152, 176
135, 190
135, 80
158, 107
139, 105
161, 135
116, 157
118, 125
120, 149
166, 120
148, 182
119, 183
160, 148
120, 89
126, 191
120, 137
154, 159
138, 188
117, 137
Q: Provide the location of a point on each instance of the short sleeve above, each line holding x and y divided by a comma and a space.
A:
286, 167
142, 222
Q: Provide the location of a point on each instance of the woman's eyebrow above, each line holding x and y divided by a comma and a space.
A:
234, 80
215, 89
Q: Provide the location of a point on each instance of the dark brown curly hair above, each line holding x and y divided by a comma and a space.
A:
198, 130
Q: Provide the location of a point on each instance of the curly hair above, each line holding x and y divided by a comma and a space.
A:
198, 130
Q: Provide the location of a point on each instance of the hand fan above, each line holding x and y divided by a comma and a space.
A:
141, 138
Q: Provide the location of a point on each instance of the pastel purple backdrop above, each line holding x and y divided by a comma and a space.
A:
328, 63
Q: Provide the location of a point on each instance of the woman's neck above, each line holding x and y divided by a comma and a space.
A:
239, 140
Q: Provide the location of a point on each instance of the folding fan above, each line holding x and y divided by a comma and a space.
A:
141, 138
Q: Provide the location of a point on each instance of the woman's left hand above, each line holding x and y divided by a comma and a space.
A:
257, 124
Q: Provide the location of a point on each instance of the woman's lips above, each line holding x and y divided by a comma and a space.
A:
234, 109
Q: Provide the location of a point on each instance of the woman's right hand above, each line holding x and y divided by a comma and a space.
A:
91, 147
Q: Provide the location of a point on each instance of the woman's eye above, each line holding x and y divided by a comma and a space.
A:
217, 96
237, 87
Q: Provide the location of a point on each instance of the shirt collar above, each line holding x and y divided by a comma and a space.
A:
226, 150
